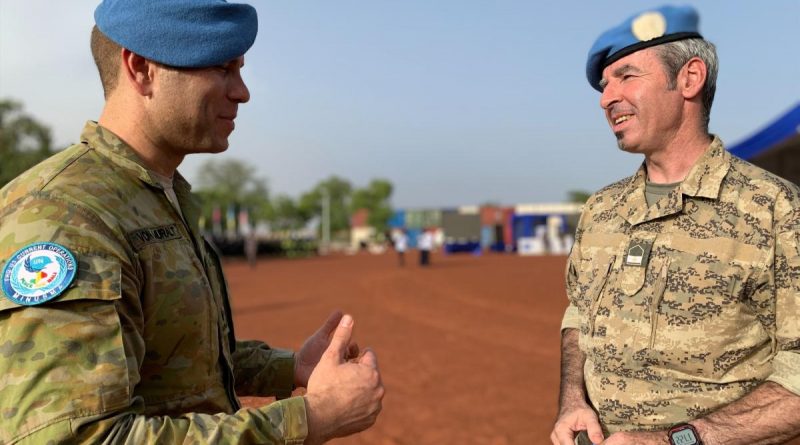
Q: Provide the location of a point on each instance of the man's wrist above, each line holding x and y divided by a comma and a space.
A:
685, 433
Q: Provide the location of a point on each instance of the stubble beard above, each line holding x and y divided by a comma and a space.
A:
620, 144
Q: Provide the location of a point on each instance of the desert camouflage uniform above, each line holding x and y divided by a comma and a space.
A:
140, 349
713, 312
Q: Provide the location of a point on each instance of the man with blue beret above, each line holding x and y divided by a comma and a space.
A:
115, 323
684, 281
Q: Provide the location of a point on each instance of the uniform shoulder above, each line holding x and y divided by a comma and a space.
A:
78, 175
759, 181
37, 177
611, 192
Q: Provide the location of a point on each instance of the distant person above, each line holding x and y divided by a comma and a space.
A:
251, 248
400, 246
425, 245
683, 325
114, 315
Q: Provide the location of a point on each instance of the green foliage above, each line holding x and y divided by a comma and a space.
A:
339, 193
285, 214
375, 198
578, 196
24, 142
228, 182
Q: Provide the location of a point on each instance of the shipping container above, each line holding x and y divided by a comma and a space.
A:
422, 218
461, 225
398, 219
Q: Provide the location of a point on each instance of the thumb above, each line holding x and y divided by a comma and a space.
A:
594, 432
340, 339
330, 324
369, 358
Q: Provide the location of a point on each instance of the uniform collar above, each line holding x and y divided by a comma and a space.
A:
120, 153
704, 180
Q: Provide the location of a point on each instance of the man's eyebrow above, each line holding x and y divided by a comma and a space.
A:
625, 69
619, 72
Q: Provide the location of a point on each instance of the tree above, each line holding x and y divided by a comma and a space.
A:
223, 183
578, 196
285, 214
375, 198
339, 192
24, 142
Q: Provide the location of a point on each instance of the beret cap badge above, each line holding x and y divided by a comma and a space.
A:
648, 26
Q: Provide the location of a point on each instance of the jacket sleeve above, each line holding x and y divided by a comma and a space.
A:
69, 367
263, 371
68, 380
786, 362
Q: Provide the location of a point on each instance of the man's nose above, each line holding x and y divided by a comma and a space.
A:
609, 96
239, 91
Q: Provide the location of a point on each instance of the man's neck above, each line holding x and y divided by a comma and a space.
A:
129, 127
673, 163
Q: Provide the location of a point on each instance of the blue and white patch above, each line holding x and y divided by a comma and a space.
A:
38, 273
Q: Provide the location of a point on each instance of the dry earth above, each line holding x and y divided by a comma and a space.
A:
468, 348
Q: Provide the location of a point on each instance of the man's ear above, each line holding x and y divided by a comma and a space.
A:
138, 72
692, 78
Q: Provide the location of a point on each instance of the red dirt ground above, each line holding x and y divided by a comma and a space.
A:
468, 348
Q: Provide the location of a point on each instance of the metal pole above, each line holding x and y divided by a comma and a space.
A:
326, 220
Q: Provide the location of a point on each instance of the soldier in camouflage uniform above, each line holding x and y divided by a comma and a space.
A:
683, 324
114, 319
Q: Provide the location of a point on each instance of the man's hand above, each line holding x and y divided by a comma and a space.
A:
343, 397
307, 357
654, 438
571, 421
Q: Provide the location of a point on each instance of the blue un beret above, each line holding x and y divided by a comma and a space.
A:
180, 33
643, 30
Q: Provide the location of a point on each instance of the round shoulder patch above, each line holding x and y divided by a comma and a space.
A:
38, 273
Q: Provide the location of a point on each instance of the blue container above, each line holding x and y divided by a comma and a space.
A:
398, 219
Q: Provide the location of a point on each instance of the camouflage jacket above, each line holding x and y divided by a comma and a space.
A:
689, 304
140, 347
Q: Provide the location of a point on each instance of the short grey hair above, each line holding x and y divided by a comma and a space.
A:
674, 56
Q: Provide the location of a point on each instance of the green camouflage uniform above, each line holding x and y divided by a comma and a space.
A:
140, 348
712, 311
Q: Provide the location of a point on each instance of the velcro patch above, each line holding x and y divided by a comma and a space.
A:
638, 253
142, 237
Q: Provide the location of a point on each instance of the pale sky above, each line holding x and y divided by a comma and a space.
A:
457, 102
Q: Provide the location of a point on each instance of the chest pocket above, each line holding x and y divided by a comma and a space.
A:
587, 290
703, 319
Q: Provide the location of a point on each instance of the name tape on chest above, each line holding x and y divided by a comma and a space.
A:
37, 273
142, 237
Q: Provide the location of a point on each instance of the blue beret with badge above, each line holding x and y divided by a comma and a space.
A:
643, 30
180, 33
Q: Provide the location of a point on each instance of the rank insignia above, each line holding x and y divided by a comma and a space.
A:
38, 273
638, 253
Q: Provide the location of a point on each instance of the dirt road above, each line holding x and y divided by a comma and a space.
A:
468, 348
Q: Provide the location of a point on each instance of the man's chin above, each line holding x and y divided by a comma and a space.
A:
220, 147
620, 140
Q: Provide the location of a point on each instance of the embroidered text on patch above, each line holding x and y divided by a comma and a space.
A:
38, 273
